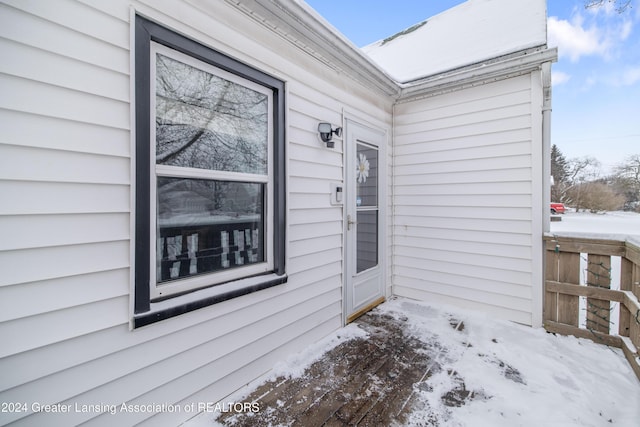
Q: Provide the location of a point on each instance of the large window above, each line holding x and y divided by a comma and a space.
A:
209, 176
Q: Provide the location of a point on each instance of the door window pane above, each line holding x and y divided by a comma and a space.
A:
366, 175
367, 244
205, 226
205, 121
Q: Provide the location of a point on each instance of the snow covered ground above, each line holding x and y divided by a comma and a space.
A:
516, 375
613, 225
556, 381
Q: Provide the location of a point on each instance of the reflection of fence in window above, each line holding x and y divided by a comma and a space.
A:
188, 251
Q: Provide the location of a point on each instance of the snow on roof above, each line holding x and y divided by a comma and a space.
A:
472, 32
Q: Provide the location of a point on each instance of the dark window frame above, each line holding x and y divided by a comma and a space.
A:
147, 31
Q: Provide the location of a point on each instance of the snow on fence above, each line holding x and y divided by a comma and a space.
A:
590, 308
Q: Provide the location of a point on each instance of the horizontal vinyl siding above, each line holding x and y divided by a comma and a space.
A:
103, 42
63, 230
29, 265
77, 290
78, 106
315, 227
40, 164
64, 174
180, 363
463, 199
460, 298
31, 130
66, 185
109, 349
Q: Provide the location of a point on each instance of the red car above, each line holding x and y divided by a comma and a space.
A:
557, 208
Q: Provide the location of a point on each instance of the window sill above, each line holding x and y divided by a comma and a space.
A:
205, 297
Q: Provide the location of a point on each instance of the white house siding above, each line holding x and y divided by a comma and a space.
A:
466, 226
65, 218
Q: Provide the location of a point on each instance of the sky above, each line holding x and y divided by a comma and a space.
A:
596, 81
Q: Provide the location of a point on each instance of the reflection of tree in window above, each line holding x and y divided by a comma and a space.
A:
204, 121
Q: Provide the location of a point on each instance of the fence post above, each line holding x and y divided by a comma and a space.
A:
551, 298
569, 305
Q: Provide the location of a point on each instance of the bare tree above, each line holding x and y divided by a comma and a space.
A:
580, 171
627, 175
205, 121
620, 5
630, 169
598, 197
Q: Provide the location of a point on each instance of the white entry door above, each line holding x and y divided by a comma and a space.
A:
364, 209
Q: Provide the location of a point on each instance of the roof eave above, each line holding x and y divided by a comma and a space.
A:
304, 28
299, 24
511, 65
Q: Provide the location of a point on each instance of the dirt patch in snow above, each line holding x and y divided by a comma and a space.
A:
372, 381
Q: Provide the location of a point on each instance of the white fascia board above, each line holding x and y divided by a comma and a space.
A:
302, 26
497, 69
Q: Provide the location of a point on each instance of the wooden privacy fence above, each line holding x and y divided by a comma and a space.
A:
589, 308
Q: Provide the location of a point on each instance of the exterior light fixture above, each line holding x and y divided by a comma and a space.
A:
326, 133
